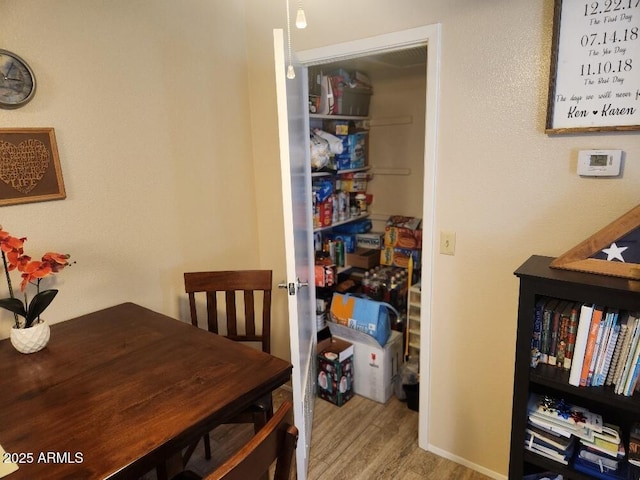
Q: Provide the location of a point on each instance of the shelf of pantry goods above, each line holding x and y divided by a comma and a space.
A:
340, 172
349, 220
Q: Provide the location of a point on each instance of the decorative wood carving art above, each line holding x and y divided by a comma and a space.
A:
29, 166
614, 250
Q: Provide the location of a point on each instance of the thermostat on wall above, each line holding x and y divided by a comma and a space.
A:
599, 163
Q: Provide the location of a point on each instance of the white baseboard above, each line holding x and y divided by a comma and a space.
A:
466, 463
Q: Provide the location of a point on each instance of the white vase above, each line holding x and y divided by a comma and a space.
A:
32, 339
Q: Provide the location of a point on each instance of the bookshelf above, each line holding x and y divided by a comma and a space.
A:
537, 279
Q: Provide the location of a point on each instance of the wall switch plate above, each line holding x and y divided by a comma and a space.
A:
447, 243
599, 163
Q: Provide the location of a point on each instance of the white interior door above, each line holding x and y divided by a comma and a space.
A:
293, 126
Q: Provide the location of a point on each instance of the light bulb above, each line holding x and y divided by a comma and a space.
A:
290, 72
301, 19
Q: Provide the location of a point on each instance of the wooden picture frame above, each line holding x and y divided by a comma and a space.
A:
595, 67
578, 258
29, 166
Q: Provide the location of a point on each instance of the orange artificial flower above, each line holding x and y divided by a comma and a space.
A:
57, 261
13, 248
10, 244
34, 271
13, 257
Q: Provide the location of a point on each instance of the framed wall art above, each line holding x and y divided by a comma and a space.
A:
594, 82
29, 166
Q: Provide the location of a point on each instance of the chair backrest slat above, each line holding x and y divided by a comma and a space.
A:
212, 312
266, 321
249, 313
250, 283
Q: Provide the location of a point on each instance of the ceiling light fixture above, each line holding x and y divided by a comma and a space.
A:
301, 22
301, 19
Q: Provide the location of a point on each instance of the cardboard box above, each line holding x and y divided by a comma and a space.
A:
354, 154
353, 182
324, 216
349, 240
335, 370
325, 275
376, 367
412, 223
371, 240
399, 257
363, 258
403, 237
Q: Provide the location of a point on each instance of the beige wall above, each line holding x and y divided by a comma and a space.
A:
396, 143
149, 102
169, 166
505, 187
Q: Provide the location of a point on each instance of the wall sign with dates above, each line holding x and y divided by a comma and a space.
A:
595, 66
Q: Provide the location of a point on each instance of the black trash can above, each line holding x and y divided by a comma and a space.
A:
413, 396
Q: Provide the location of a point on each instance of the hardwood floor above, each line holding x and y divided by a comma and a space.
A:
362, 440
366, 440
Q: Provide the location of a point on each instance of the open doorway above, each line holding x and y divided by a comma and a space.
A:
403, 151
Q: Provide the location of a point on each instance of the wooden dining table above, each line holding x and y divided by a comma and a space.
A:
119, 391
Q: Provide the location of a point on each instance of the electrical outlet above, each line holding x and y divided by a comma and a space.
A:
447, 243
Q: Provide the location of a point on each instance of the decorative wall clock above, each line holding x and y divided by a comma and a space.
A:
17, 81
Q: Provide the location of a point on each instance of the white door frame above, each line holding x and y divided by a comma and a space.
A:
430, 36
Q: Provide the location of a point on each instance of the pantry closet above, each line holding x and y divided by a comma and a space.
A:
396, 126
404, 69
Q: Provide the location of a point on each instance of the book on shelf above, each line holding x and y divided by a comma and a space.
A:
594, 328
536, 336
582, 333
634, 445
589, 455
560, 430
597, 351
622, 338
597, 467
604, 455
633, 324
555, 331
549, 437
598, 345
534, 444
608, 346
630, 361
545, 335
566, 337
607, 443
571, 339
633, 378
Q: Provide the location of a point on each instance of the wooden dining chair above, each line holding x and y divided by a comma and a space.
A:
253, 289
275, 442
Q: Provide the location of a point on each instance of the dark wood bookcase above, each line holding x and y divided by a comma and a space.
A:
537, 279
